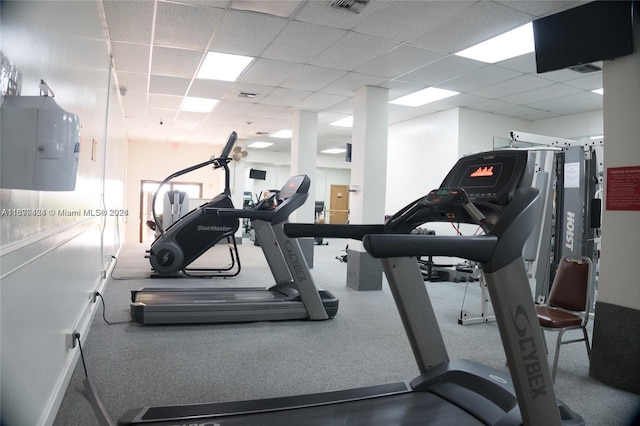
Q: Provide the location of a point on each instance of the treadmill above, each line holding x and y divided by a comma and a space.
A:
493, 191
294, 296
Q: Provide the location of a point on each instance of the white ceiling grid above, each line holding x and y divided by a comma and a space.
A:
310, 56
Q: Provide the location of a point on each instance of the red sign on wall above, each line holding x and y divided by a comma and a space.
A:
623, 188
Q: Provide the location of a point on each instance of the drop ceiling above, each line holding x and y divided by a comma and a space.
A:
312, 56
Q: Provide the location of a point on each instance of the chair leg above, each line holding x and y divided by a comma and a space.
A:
586, 341
544, 339
556, 356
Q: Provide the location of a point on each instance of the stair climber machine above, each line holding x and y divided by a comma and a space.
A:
492, 190
294, 295
195, 233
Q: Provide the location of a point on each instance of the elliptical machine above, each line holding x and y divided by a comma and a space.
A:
194, 234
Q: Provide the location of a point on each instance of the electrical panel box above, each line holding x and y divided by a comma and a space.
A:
39, 144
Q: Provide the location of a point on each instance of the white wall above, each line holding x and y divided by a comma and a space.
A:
478, 129
50, 266
573, 126
420, 154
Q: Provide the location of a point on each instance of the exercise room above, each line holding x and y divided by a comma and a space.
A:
319, 212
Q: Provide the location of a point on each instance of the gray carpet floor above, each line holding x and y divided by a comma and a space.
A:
133, 365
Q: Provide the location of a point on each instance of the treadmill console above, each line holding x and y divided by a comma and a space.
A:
491, 177
475, 191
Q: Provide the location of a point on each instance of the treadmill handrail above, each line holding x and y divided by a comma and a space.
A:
356, 232
476, 248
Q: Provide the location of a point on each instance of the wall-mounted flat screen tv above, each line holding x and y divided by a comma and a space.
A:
257, 174
593, 32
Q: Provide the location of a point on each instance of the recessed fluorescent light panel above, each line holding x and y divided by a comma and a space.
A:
190, 104
345, 122
223, 66
259, 145
505, 46
334, 151
424, 96
284, 134
599, 91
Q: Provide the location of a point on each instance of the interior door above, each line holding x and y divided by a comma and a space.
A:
339, 204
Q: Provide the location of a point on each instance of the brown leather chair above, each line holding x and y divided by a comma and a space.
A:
569, 303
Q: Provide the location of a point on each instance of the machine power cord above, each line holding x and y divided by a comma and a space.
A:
92, 394
104, 317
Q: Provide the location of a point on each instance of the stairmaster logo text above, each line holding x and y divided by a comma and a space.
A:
529, 351
213, 228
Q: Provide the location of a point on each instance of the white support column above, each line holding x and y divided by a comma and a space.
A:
236, 169
368, 180
304, 145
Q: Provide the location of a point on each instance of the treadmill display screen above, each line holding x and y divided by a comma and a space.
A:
490, 176
482, 176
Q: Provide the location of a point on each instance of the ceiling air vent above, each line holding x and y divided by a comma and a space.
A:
247, 95
585, 68
350, 5
262, 133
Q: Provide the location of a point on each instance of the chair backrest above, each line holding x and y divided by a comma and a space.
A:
572, 285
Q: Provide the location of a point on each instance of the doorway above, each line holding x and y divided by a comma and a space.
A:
147, 189
339, 204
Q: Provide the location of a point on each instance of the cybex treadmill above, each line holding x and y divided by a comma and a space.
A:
493, 191
294, 296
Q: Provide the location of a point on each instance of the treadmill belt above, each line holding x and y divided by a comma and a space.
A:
205, 296
411, 408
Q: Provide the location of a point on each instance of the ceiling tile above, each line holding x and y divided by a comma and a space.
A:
345, 86
319, 101
524, 63
401, 60
165, 101
131, 57
272, 7
580, 102
312, 78
300, 42
129, 21
518, 111
212, 89
588, 82
544, 93
520, 84
442, 70
164, 85
539, 8
404, 20
230, 108
284, 97
258, 90
186, 26
244, 33
470, 26
352, 51
319, 12
492, 105
481, 77
175, 62
135, 82
263, 110
268, 72
561, 75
